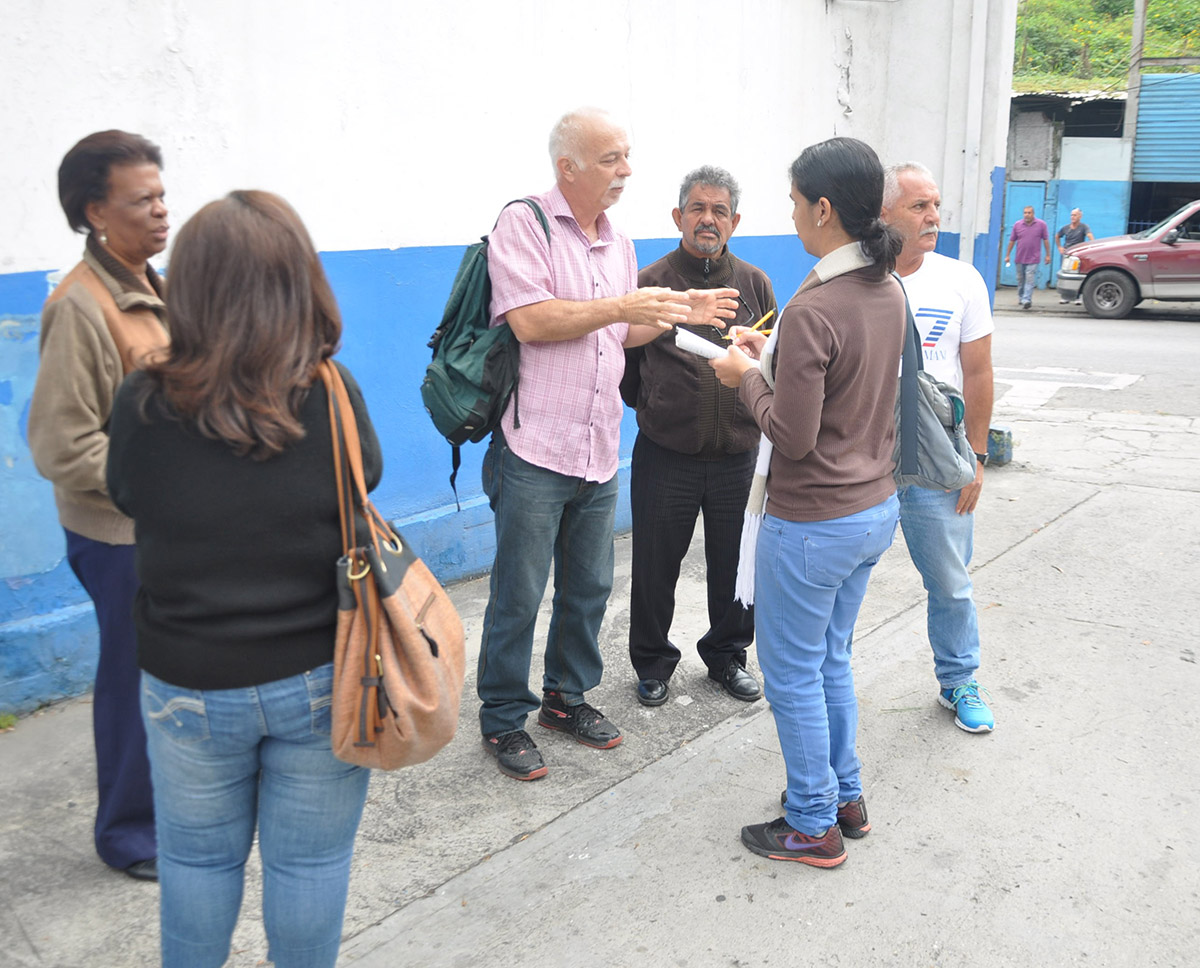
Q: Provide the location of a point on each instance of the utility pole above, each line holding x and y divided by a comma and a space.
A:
1137, 61
1134, 83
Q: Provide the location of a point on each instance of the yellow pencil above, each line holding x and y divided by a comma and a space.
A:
766, 332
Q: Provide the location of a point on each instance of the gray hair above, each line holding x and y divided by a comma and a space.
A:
891, 179
714, 177
567, 135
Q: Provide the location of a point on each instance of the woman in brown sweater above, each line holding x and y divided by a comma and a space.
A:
824, 396
99, 324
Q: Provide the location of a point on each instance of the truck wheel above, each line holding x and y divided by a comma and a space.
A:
1110, 294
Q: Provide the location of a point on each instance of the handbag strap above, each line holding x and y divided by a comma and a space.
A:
348, 466
908, 388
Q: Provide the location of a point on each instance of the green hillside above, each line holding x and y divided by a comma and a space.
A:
1077, 45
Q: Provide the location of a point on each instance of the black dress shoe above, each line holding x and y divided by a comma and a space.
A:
736, 681
652, 692
143, 870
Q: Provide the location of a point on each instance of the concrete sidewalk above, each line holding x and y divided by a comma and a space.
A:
1046, 302
1064, 838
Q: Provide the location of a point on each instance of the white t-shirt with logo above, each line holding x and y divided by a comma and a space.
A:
950, 303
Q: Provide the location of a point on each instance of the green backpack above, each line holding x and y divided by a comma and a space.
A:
474, 368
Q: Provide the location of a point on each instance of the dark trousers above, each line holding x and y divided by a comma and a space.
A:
125, 812
667, 491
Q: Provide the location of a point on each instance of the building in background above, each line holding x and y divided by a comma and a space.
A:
398, 131
1069, 151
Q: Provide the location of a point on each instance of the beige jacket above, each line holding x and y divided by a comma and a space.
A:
80, 369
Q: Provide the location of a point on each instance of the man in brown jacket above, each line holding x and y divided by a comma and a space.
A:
694, 452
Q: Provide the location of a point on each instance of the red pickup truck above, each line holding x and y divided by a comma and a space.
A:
1116, 274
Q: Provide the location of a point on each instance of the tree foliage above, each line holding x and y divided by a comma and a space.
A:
1086, 43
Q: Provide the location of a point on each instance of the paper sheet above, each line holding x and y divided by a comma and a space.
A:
687, 340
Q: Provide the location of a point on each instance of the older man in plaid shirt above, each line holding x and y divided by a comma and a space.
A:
574, 304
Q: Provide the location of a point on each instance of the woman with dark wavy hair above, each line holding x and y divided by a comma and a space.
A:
221, 453
99, 324
823, 506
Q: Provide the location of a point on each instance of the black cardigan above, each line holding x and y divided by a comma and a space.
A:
235, 556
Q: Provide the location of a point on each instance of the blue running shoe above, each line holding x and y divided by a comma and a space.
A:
970, 711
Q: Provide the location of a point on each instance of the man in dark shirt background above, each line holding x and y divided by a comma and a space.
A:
694, 453
1072, 233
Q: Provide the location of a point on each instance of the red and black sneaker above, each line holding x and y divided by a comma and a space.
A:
851, 817
516, 755
779, 840
586, 724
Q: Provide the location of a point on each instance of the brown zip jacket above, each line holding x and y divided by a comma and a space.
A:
93, 333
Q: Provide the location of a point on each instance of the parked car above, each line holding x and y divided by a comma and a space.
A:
1116, 274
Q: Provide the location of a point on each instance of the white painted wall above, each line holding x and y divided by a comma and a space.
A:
1096, 159
396, 122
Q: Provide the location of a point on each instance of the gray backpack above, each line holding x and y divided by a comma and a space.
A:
932, 449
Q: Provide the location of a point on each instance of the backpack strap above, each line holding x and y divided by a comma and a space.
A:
537, 210
908, 388
516, 391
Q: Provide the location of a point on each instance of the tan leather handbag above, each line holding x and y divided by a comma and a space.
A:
398, 660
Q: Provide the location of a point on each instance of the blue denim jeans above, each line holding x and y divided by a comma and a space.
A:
810, 579
940, 542
540, 517
1026, 280
223, 762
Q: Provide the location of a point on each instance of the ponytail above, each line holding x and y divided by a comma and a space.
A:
882, 244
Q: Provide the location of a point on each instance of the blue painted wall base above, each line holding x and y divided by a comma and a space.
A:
391, 301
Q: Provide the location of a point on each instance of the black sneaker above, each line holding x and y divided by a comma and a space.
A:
516, 755
778, 840
586, 724
851, 817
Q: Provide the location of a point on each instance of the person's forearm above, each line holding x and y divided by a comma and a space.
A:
978, 396
555, 320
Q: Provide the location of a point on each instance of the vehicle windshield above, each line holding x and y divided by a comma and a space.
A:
1154, 229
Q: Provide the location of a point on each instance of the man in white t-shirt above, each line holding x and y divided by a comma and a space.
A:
953, 313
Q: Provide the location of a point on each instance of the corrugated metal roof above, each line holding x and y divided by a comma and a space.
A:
1074, 97
1168, 129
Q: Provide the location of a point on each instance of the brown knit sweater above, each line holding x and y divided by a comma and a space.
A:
95, 326
831, 416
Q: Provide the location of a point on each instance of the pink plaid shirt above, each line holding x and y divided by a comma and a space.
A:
567, 396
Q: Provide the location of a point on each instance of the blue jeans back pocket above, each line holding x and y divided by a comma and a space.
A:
829, 560
177, 713
320, 698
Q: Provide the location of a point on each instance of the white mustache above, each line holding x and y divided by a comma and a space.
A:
932, 230
616, 183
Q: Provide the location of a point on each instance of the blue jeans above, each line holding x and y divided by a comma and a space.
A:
224, 761
1026, 280
810, 579
542, 516
940, 543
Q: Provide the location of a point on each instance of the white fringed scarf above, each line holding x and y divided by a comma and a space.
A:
838, 262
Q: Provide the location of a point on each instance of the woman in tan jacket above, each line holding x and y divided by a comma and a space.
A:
100, 321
